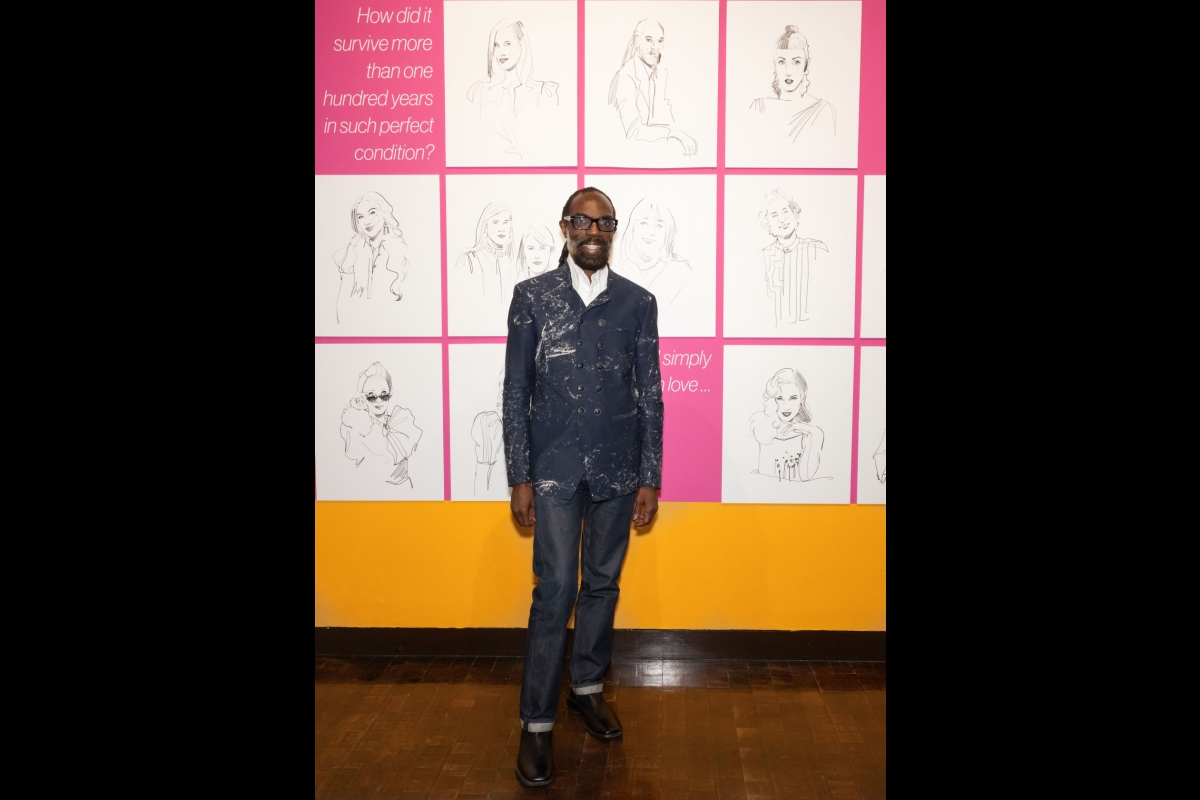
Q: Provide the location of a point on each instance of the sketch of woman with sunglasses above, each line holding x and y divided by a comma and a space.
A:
377, 431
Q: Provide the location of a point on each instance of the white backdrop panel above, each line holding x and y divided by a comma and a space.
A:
872, 426
667, 242
795, 276
525, 113
379, 449
874, 261
488, 217
806, 125
477, 463
375, 281
769, 452
668, 83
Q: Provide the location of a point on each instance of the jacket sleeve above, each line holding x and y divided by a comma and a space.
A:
519, 366
649, 399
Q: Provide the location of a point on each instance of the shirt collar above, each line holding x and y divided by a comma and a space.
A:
579, 279
644, 72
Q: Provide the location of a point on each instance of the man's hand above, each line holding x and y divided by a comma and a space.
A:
645, 505
522, 504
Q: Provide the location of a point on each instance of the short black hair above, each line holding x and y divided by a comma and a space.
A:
567, 205
585, 189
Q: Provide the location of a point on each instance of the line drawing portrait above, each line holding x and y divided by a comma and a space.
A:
535, 252
378, 431
793, 108
487, 431
647, 253
638, 90
511, 86
786, 260
375, 261
489, 267
789, 446
881, 459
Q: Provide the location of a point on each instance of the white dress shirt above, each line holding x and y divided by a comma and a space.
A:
587, 290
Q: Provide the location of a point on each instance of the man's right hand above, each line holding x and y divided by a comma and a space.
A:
522, 504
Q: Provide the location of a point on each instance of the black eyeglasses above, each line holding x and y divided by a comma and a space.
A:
375, 398
582, 222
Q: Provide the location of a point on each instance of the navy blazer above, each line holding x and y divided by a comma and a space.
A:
582, 390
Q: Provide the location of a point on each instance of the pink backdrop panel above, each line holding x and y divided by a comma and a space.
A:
366, 120
691, 372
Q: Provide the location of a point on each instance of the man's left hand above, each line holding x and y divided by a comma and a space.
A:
645, 505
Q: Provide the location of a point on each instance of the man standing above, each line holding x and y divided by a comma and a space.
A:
639, 90
583, 419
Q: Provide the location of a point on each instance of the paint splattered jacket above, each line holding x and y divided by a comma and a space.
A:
582, 391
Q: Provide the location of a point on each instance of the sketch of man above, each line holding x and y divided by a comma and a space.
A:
796, 110
487, 431
376, 430
786, 259
789, 446
639, 90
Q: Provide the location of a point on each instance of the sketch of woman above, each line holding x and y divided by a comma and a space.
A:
792, 108
377, 431
487, 431
789, 448
535, 253
648, 252
487, 269
510, 85
787, 259
375, 262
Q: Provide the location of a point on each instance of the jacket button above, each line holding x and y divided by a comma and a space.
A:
581, 321
579, 343
600, 367
601, 345
581, 387
581, 411
598, 389
601, 323
597, 412
579, 364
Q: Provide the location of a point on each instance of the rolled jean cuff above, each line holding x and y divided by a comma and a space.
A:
595, 688
537, 727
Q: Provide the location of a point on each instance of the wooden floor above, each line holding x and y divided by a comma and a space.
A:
442, 728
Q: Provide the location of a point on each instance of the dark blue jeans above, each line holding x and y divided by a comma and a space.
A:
556, 538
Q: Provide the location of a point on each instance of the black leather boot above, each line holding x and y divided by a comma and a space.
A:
598, 717
535, 761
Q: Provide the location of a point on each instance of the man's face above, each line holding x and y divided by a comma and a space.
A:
506, 48
375, 390
781, 218
588, 248
649, 42
789, 70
